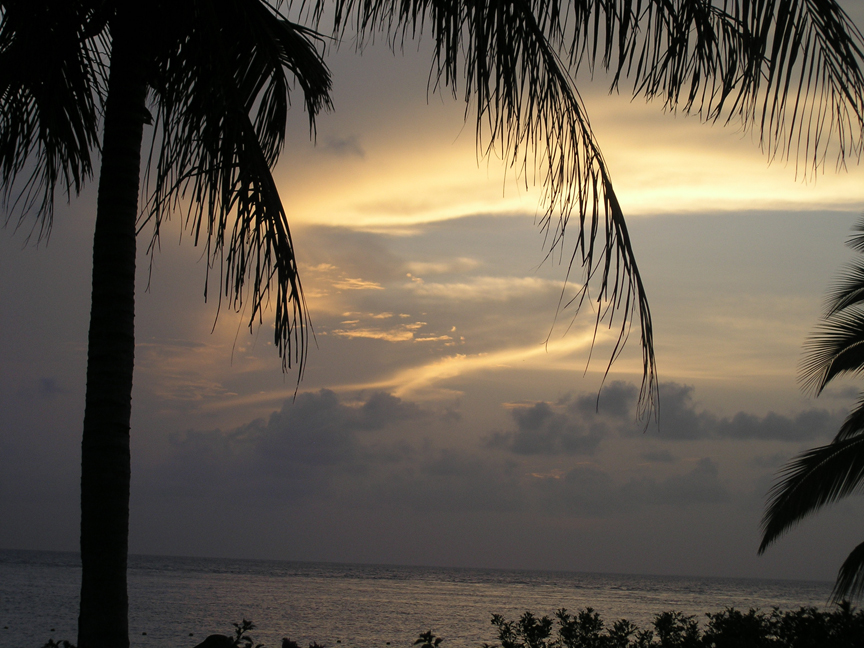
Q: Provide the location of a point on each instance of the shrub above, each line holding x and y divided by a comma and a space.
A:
806, 627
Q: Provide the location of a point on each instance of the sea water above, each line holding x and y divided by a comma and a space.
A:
179, 601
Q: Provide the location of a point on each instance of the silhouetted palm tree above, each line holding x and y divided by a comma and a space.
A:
215, 74
823, 475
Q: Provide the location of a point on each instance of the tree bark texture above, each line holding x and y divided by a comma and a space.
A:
105, 464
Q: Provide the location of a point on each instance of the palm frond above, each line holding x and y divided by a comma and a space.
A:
854, 424
856, 240
835, 348
222, 96
497, 56
790, 69
848, 291
850, 578
814, 92
811, 480
52, 81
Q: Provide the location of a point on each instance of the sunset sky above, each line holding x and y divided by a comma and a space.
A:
448, 414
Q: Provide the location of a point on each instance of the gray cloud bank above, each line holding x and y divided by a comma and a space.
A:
377, 451
575, 425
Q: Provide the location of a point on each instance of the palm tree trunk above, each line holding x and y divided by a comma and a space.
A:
105, 465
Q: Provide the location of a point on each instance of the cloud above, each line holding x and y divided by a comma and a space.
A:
587, 490
659, 456
358, 454
383, 454
378, 452
404, 332
680, 420
391, 335
617, 400
804, 426
300, 451
461, 265
355, 283
699, 486
484, 288
576, 424
343, 147
544, 430
318, 429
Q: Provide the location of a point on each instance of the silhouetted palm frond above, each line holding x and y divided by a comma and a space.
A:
828, 473
854, 424
791, 69
837, 346
850, 579
811, 480
847, 292
502, 59
51, 83
221, 96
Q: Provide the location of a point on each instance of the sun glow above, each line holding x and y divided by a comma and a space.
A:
428, 169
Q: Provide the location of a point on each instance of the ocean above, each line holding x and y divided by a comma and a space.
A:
177, 602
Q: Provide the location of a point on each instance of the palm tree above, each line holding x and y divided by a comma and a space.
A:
216, 73
825, 474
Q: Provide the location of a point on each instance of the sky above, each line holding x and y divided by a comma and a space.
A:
449, 414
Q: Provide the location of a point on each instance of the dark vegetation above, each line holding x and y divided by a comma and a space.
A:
806, 627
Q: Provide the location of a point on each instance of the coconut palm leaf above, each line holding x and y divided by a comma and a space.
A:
789, 68
50, 101
810, 481
500, 58
825, 474
221, 97
837, 347
849, 291
850, 579
854, 423
813, 95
